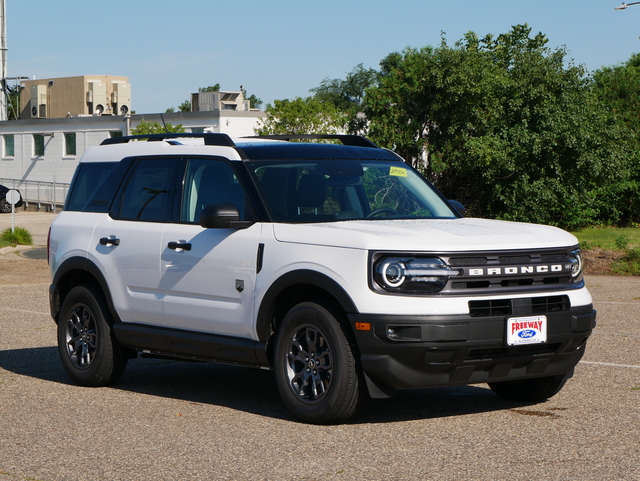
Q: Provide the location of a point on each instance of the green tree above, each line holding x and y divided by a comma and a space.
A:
145, 128
348, 95
210, 88
302, 116
185, 106
618, 88
13, 106
503, 124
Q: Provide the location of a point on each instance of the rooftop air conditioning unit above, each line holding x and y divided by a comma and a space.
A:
121, 98
97, 98
38, 102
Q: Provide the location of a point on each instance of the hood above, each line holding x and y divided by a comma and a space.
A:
438, 235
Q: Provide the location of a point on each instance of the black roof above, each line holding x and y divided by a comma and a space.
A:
353, 146
311, 151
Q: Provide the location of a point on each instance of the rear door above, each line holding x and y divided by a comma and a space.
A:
128, 243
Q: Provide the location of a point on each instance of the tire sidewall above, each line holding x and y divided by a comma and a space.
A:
108, 362
338, 403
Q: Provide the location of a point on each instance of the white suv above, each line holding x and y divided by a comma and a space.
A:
338, 266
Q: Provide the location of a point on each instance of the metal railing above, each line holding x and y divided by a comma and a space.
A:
42, 194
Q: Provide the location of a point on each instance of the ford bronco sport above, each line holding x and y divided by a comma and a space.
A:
337, 266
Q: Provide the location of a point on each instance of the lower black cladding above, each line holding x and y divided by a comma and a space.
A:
189, 345
455, 350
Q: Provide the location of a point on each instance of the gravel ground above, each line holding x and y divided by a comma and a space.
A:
195, 421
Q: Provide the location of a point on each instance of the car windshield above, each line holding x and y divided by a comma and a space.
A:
350, 189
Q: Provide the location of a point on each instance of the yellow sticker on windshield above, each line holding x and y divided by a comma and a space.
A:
398, 171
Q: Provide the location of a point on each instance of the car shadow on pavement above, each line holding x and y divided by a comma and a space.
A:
252, 390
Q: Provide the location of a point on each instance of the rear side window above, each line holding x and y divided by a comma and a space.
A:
150, 191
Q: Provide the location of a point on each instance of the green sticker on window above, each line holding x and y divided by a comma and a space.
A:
398, 171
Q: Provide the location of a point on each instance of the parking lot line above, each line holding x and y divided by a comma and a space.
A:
610, 364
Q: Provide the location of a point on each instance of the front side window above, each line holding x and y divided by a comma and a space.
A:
70, 143
9, 145
150, 191
210, 182
350, 189
38, 145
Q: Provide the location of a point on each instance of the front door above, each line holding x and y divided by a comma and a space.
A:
208, 275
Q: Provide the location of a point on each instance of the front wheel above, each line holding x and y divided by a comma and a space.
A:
5, 206
86, 344
316, 372
529, 390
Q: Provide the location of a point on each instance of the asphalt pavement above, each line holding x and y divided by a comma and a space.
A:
166, 420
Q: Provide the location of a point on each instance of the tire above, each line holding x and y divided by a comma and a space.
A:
5, 207
529, 390
316, 372
86, 343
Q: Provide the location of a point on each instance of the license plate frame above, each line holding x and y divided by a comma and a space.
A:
526, 330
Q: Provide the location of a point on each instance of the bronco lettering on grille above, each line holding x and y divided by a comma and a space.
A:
505, 271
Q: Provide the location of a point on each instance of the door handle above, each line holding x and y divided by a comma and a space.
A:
109, 241
178, 245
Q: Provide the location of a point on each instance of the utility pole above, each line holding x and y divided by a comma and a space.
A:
3, 60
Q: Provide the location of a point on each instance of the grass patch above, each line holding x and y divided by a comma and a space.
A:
609, 238
625, 240
629, 265
18, 236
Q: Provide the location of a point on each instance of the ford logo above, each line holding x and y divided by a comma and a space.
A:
527, 333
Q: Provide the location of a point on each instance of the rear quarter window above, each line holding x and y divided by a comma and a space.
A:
95, 185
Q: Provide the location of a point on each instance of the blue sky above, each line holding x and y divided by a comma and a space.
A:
280, 49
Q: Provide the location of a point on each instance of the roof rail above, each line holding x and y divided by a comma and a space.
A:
209, 139
346, 139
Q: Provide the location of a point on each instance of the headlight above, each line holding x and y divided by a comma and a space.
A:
412, 275
576, 263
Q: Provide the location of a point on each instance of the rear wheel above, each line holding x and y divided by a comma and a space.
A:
316, 371
86, 344
529, 390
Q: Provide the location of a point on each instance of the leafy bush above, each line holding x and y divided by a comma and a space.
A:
18, 236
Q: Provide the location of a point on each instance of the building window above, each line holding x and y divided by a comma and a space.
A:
38, 145
9, 146
115, 133
70, 144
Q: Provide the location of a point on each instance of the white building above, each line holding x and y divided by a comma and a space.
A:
48, 149
39, 156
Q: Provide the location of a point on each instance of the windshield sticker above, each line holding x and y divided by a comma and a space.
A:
398, 172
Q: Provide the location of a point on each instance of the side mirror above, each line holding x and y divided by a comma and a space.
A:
222, 216
459, 207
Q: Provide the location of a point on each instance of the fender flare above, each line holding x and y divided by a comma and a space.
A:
268, 304
82, 264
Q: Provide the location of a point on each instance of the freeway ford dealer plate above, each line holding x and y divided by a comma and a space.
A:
526, 330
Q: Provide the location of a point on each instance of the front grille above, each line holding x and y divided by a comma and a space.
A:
507, 352
519, 307
489, 273
490, 308
541, 305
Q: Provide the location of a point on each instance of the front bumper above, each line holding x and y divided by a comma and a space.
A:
431, 351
